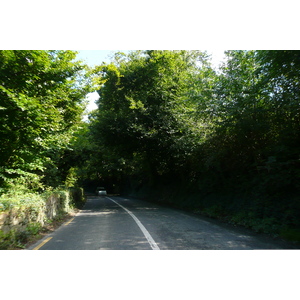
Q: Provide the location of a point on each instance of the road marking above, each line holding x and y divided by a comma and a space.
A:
142, 227
69, 221
42, 243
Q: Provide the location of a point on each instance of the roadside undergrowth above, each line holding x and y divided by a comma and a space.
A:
25, 219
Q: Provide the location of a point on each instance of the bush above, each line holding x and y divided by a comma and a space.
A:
24, 201
77, 196
31, 210
291, 234
11, 240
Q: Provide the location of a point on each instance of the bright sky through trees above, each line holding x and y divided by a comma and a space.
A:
96, 57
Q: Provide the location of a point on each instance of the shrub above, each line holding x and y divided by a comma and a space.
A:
31, 211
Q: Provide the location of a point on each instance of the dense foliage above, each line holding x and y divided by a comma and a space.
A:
146, 107
41, 103
168, 122
168, 127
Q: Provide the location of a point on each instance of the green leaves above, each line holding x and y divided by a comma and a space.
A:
167, 120
145, 111
41, 96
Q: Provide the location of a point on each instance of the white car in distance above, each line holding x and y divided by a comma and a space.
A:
100, 191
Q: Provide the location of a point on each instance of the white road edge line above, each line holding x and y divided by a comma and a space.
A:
142, 227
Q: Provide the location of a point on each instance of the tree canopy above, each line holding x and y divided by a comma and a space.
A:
41, 102
162, 111
166, 120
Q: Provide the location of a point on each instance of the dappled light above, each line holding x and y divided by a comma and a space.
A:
167, 128
107, 224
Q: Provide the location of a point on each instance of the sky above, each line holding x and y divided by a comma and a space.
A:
93, 58
96, 57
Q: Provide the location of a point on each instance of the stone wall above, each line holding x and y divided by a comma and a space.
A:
20, 216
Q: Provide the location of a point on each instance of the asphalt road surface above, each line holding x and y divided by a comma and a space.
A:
118, 223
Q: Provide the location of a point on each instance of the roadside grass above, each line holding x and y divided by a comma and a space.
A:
30, 208
291, 234
250, 219
14, 240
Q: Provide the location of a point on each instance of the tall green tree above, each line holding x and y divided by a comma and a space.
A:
229, 137
280, 71
41, 100
240, 115
146, 113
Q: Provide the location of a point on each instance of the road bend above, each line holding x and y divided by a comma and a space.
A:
118, 223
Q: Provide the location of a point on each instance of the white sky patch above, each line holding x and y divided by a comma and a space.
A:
92, 97
217, 57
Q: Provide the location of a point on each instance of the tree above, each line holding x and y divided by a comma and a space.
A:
146, 114
41, 100
280, 78
241, 124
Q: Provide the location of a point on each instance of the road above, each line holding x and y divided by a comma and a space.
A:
118, 223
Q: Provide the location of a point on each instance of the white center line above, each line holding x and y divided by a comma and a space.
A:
142, 227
